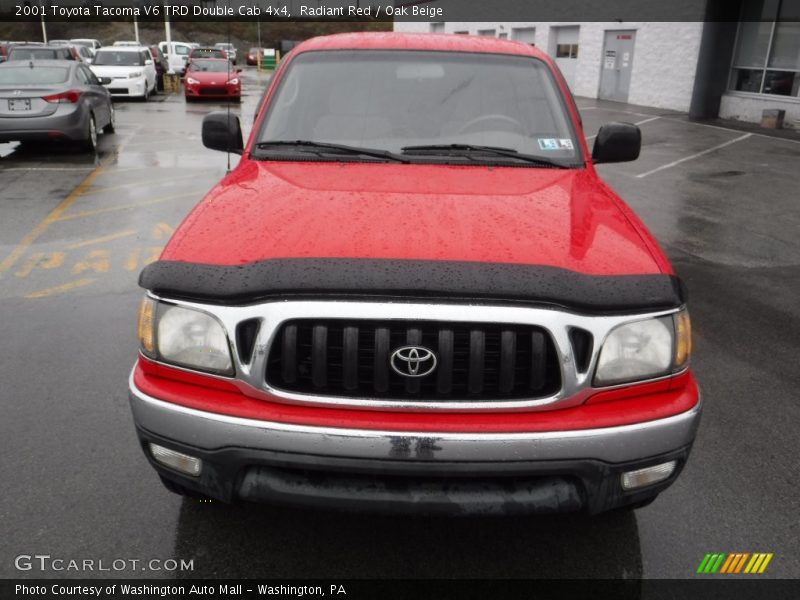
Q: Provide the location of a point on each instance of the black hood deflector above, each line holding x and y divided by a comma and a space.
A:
272, 278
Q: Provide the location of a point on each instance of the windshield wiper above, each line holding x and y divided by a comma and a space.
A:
467, 149
337, 147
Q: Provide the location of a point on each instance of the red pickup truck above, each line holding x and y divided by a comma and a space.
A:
415, 293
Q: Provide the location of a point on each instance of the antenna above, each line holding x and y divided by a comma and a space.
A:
228, 103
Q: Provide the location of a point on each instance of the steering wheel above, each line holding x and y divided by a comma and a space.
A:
517, 126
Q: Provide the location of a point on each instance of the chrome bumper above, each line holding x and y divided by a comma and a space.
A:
211, 431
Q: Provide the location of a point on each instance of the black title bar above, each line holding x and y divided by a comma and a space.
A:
426, 11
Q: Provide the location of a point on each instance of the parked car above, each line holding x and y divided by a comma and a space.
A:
92, 44
49, 100
253, 56
415, 292
212, 78
31, 52
162, 66
230, 49
126, 71
177, 54
3, 51
85, 54
207, 52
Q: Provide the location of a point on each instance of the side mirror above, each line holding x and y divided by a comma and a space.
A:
222, 131
148, 62
105, 80
617, 142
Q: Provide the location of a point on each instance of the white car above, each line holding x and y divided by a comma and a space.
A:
93, 45
177, 54
126, 71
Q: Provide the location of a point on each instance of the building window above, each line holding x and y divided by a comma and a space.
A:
437, 27
486, 32
767, 57
566, 50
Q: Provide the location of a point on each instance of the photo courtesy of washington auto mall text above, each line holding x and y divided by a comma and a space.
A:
379, 299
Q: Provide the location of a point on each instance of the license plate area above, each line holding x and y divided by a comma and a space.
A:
19, 104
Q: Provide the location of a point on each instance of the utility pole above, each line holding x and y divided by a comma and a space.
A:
167, 30
43, 4
136, 29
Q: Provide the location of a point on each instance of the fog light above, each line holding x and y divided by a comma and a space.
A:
647, 476
176, 460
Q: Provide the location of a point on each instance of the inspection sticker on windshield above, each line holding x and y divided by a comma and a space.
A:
555, 144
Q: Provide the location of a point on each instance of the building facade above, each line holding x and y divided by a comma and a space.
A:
734, 68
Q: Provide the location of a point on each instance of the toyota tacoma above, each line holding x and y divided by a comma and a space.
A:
415, 293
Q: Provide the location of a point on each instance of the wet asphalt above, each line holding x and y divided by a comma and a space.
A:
75, 231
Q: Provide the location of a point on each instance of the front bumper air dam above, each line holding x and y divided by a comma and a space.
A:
460, 473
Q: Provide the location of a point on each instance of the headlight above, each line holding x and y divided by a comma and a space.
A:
184, 337
134, 74
644, 350
234, 81
192, 81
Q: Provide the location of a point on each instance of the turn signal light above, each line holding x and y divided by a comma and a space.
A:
683, 339
145, 328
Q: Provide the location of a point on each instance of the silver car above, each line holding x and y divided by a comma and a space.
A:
53, 100
229, 48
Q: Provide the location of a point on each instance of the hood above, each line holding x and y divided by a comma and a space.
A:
553, 217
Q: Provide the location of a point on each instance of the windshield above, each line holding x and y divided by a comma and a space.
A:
211, 66
118, 59
391, 100
36, 76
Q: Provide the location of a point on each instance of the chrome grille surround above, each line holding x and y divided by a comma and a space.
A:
576, 385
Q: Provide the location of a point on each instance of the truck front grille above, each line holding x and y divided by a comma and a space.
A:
353, 358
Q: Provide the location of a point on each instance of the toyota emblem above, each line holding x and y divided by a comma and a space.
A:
413, 361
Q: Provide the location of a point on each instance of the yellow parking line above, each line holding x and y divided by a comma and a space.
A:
51, 218
91, 213
150, 182
105, 238
61, 288
55, 214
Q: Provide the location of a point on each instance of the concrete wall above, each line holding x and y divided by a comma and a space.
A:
749, 108
664, 61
